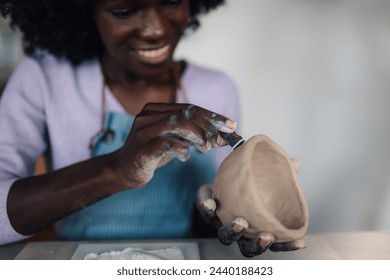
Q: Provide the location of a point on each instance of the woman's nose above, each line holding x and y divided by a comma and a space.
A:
151, 25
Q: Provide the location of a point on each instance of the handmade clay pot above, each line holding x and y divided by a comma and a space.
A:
258, 182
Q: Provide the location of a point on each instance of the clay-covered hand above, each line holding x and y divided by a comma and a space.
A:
163, 131
235, 231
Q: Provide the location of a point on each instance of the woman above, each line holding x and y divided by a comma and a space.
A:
102, 97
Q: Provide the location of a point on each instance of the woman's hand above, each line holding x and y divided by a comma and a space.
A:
163, 131
234, 232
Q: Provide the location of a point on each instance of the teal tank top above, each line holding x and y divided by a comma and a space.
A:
161, 209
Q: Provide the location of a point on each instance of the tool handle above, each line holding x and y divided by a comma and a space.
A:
233, 139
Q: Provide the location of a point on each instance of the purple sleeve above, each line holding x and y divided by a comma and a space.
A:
22, 130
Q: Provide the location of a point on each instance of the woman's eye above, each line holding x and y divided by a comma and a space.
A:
171, 3
123, 13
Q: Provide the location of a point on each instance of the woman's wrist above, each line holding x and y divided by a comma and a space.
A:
119, 174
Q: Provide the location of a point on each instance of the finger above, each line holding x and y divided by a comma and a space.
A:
289, 246
213, 135
157, 153
173, 148
205, 194
208, 213
296, 164
205, 202
203, 138
192, 136
229, 234
207, 206
171, 126
221, 122
254, 247
213, 124
145, 119
162, 107
189, 111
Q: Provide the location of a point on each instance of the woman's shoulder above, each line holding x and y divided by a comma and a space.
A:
40, 60
48, 73
46, 77
43, 65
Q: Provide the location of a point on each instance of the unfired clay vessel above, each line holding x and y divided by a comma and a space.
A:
258, 182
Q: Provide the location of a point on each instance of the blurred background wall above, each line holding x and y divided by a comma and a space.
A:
314, 75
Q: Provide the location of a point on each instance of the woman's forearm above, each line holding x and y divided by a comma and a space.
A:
38, 201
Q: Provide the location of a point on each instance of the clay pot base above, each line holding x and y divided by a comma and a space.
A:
257, 182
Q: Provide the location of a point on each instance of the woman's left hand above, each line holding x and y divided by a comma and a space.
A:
234, 232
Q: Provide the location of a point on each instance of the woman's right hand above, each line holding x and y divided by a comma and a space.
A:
159, 133
163, 131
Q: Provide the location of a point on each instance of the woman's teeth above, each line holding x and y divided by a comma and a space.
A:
154, 53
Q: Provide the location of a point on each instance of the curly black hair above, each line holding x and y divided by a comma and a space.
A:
66, 28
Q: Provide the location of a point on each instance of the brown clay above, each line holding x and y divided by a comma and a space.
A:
258, 182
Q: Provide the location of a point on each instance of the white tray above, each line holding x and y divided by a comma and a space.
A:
190, 249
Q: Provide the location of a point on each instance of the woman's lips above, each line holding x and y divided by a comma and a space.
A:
153, 55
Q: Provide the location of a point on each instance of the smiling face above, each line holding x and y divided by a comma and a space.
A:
140, 36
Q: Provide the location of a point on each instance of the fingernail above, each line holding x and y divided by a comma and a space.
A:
204, 148
209, 204
220, 141
264, 243
231, 125
239, 225
300, 244
266, 240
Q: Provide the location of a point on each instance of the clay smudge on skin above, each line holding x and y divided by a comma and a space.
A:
212, 135
149, 164
182, 155
191, 137
227, 127
250, 248
187, 112
173, 120
227, 235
